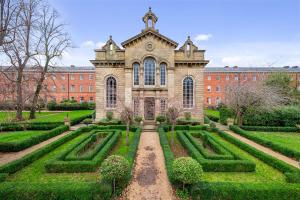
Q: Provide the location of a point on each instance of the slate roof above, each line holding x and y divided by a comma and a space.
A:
251, 69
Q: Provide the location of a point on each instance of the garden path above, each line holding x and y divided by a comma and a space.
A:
259, 147
6, 157
150, 180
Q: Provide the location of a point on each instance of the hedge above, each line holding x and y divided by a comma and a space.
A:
59, 165
271, 128
168, 154
293, 177
242, 191
185, 127
3, 176
276, 147
212, 117
270, 160
71, 106
20, 145
215, 165
80, 119
133, 147
16, 165
29, 126
55, 191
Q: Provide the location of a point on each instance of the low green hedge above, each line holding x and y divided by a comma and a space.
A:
71, 106
271, 128
215, 165
18, 146
59, 165
185, 127
77, 120
16, 165
244, 191
29, 126
192, 121
293, 177
212, 117
276, 147
133, 147
168, 154
55, 191
3, 176
270, 160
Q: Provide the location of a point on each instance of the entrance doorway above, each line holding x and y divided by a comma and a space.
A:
149, 108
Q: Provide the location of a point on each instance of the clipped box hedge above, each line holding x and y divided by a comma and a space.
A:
244, 191
20, 145
271, 128
215, 165
276, 147
29, 126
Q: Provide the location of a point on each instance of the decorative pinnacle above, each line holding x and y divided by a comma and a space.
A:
189, 37
149, 8
110, 37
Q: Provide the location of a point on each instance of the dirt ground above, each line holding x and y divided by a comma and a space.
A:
150, 179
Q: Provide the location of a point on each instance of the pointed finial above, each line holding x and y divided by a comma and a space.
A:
189, 38
110, 37
149, 8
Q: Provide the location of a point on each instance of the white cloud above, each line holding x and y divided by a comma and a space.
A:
203, 37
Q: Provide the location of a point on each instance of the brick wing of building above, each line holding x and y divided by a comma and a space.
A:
148, 73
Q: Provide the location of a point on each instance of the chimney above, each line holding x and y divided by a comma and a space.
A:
226, 66
286, 67
235, 67
72, 66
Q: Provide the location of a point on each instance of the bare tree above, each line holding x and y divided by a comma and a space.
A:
23, 46
173, 112
127, 118
53, 41
242, 97
8, 13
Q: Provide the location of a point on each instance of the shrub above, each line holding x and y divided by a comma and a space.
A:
114, 168
212, 117
187, 170
206, 120
161, 118
109, 115
192, 121
29, 126
70, 105
225, 113
187, 115
271, 128
87, 121
138, 119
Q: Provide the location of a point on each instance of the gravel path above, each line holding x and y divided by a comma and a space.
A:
260, 147
150, 179
6, 157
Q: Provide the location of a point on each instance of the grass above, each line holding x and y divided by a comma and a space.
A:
121, 148
214, 113
35, 172
263, 173
288, 140
19, 136
177, 149
46, 116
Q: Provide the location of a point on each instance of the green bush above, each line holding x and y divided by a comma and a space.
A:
138, 119
161, 118
225, 113
293, 177
133, 147
70, 106
206, 120
114, 169
87, 121
282, 116
243, 191
192, 121
276, 147
77, 120
18, 146
29, 126
271, 128
187, 170
213, 118
187, 115
106, 122
109, 115
3, 176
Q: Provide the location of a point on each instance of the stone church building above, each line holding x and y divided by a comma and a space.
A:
149, 74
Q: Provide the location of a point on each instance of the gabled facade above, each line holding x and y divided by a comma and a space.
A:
148, 74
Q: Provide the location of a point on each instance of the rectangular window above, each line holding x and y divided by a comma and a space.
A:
91, 76
72, 77
91, 99
81, 88
218, 78
209, 78
81, 76
208, 88
72, 89
208, 100
218, 100
218, 88
63, 77
227, 78
91, 88
53, 88
162, 74
63, 88
236, 78
163, 106
81, 99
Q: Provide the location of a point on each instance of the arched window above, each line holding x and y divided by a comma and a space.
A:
188, 92
163, 67
111, 92
136, 80
149, 68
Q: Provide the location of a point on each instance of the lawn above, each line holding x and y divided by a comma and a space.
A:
46, 116
19, 136
177, 149
210, 112
285, 139
121, 148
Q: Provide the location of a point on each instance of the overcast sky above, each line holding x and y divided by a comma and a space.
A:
248, 33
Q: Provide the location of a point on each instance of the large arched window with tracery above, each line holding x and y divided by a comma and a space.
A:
149, 70
136, 80
111, 92
163, 68
188, 92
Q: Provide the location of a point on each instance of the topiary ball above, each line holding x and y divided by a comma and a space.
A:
187, 170
114, 167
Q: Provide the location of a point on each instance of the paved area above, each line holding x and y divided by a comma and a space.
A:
150, 180
259, 147
6, 157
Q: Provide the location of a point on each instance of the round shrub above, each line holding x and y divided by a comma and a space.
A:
138, 119
187, 170
187, 115
114, 168
160, 118
109, 115
87, 121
